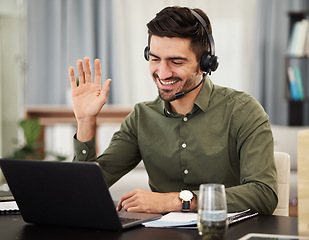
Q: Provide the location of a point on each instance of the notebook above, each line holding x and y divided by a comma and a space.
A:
189, 220
66, 193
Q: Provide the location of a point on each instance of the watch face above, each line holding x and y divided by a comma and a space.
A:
186, 195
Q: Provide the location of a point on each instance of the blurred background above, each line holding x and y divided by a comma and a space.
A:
40, 39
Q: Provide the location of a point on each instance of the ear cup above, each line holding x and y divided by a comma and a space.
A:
209, 63
146, 53
214, 62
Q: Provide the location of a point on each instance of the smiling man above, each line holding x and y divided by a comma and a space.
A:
195, 131
174, 68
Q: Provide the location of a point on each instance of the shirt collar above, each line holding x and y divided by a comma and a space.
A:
201, 101
203, 97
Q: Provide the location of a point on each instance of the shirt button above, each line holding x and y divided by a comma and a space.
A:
185, 119
84, 152
184, 145
186, 171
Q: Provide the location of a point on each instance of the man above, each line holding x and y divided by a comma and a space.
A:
195, 132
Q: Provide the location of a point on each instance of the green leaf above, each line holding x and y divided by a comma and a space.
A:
32, 130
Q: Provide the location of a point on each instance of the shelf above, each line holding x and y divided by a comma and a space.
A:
296, 71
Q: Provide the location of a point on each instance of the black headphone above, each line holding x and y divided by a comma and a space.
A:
209, 61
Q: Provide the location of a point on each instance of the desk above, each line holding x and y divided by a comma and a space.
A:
13, 227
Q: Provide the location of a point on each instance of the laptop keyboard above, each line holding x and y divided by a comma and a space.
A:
125, 220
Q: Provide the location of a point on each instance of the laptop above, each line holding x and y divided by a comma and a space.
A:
66, 193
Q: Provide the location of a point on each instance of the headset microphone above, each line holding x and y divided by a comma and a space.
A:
181, 94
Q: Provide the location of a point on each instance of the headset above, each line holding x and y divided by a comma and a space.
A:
209, 61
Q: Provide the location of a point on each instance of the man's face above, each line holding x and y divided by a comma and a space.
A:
173, 66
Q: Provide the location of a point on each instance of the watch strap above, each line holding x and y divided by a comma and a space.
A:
186, 206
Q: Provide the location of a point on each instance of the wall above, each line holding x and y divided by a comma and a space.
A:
12, 55
12, 45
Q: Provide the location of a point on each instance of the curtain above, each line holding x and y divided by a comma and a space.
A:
59, 33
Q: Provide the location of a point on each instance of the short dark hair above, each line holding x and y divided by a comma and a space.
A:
180, 22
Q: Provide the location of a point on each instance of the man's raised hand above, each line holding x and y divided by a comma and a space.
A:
87, 98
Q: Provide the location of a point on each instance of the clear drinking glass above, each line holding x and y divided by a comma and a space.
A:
212, 211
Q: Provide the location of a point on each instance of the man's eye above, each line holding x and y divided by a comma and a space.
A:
155, 59
177, 63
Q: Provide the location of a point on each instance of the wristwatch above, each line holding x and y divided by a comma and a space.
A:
186, 197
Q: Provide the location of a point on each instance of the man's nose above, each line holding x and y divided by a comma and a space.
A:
164, 71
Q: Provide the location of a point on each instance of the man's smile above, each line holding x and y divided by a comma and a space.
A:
168, 83
164, 82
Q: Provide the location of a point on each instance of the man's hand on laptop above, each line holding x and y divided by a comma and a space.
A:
141, 200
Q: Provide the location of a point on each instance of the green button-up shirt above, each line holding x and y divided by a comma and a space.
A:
226, 138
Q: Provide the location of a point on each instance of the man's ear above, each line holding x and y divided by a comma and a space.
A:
199, 70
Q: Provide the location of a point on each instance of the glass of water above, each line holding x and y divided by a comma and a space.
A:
212, 211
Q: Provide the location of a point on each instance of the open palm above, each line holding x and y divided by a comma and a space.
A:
88, 98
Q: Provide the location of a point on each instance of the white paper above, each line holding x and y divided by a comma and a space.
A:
174, 219
8, 206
